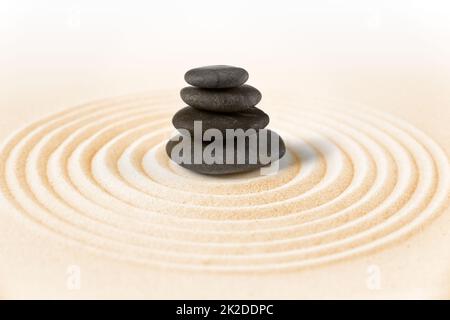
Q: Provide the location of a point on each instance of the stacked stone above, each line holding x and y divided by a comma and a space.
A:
220, 99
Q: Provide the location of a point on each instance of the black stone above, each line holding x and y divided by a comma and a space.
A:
216, 77
224, 168
222, 100
253, 118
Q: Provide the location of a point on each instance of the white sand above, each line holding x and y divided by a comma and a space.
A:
357, 209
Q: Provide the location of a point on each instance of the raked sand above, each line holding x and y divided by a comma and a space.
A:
357, 210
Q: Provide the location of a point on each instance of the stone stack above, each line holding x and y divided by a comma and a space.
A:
218, 98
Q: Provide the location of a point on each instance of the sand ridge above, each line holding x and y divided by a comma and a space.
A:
351, 182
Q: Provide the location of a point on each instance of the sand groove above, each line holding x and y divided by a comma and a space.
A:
97, 175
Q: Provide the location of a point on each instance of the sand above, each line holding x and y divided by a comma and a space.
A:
91, 207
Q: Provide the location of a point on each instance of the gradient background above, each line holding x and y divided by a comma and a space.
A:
59, 51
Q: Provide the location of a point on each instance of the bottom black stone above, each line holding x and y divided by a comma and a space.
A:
220, 157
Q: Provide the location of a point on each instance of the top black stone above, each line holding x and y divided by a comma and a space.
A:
216, 77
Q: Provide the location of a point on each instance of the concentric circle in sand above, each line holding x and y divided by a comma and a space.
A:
352, 181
